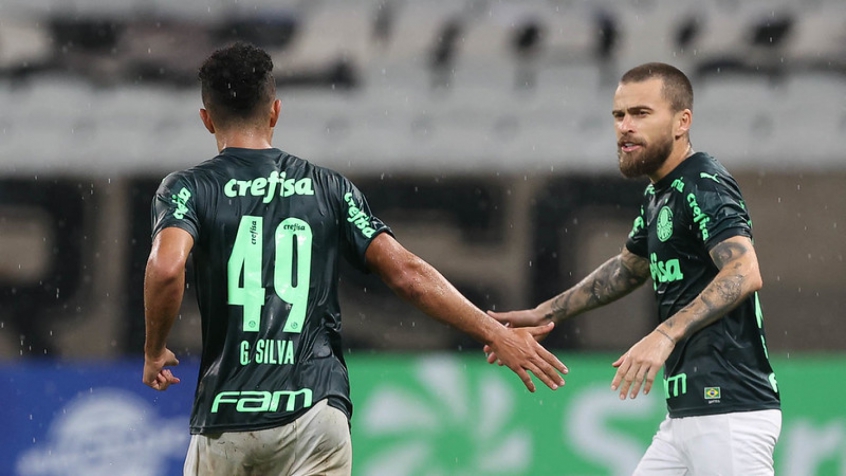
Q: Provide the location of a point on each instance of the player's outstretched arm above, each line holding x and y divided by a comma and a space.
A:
164, 283
738, 278
612, 280
421, 284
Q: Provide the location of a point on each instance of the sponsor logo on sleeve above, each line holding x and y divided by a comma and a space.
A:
358, 218
699, 217
638, 223
180, 200
636, 226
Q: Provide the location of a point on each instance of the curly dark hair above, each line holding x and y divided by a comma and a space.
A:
236, 81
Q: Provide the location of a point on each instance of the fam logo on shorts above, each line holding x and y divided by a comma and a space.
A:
712, 393
665, 223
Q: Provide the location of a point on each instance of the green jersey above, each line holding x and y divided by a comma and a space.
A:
269, 229
724, 367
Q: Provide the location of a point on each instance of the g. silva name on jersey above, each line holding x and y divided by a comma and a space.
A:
267, 351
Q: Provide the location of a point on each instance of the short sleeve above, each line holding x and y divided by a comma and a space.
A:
358, 225
717, 211
175, 205
637, 241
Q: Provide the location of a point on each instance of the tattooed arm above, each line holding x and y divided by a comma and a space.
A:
612, 280
738, 278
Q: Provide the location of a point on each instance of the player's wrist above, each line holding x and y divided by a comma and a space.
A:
666, 334
556, 316
153, 354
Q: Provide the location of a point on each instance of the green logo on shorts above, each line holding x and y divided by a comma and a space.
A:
665, 224
712, 393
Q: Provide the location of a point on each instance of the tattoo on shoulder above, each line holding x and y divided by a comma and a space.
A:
727, 251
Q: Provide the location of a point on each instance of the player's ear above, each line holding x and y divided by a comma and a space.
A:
274, 112
684, 119
207, 120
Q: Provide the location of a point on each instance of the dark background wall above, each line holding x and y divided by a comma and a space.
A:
74, 259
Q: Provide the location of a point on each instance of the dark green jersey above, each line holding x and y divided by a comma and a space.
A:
724, 367
269, 229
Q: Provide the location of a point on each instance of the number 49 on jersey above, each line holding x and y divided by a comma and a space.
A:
291, 270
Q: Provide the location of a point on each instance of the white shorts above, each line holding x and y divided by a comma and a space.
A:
728, 444
318, 442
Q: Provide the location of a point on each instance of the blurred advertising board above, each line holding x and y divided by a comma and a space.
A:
415, 415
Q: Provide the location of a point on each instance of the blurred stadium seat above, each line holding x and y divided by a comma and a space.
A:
398, 93
503, 63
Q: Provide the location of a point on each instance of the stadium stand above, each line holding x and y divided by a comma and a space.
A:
506, 101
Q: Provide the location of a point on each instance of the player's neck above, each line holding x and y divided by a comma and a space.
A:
677, 156
244, 138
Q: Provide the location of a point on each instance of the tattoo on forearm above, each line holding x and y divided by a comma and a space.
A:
560, 305
723, 294
729, 288
611, 281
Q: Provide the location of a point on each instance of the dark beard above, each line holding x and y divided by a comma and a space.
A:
651, 159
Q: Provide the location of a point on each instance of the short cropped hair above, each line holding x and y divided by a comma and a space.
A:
236, 81
676, 89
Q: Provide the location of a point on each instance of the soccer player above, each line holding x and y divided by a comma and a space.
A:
266, 231
693, 237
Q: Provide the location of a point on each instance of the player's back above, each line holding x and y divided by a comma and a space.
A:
269, 229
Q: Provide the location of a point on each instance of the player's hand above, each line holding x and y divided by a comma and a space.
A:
156, 375
641, 364
522, 318
518, 349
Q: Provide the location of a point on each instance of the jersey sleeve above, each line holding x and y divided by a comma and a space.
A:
717, 211
637, 241
358, 225
175, 205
